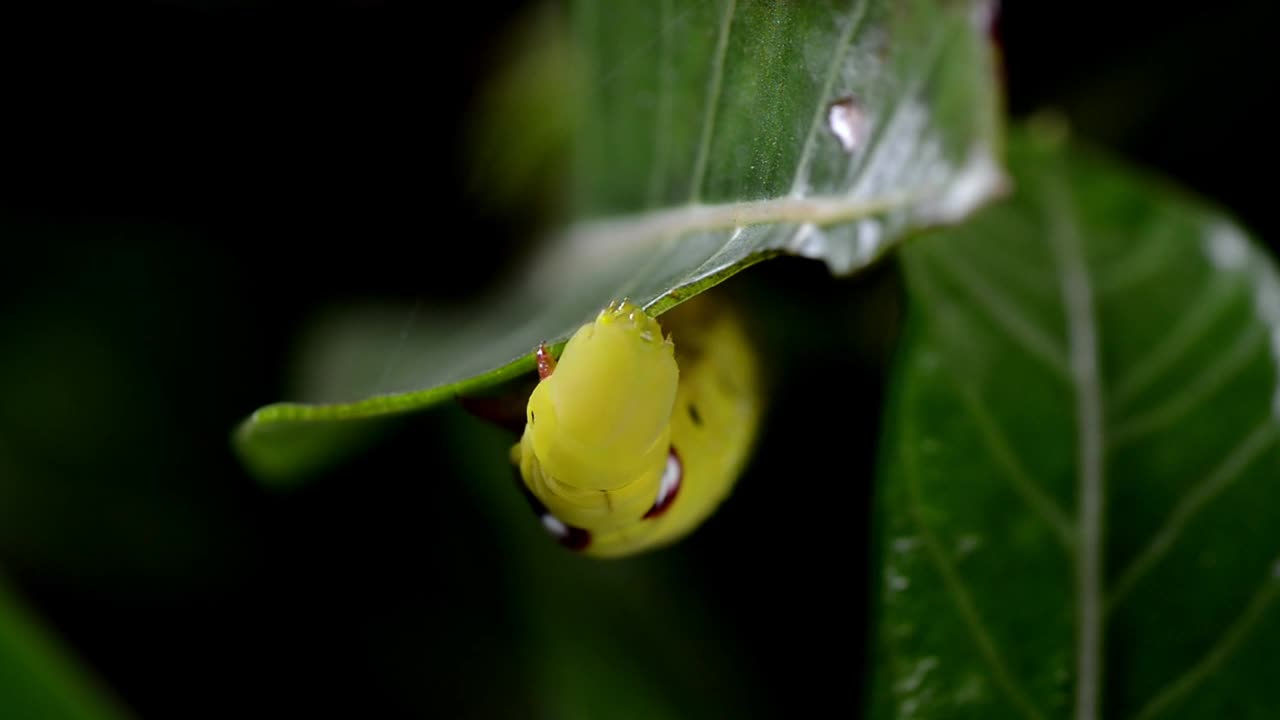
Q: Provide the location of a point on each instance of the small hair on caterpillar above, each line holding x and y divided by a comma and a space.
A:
630, 441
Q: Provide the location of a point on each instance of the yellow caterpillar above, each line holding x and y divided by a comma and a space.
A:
632, 439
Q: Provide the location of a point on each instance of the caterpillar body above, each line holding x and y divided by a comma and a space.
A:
632, 438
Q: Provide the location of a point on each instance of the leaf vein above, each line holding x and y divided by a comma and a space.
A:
864, 165
1174, 345
713, 102
1006, 314
824, 97
1189, 680
955, 586
1017, 475
1222, 476
1145, 261
1226, 366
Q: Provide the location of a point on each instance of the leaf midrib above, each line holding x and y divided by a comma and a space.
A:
1086, 382
1092, 601
820, 210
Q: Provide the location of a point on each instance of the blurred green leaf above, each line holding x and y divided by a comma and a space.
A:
708, 135
1079, 472
37, 678
508, 169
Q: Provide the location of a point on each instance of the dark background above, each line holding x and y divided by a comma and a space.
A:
184, 183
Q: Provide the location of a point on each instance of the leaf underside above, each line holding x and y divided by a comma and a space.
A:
710, 135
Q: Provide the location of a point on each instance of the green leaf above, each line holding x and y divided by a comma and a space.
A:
708, 135
1079, 470
37, 678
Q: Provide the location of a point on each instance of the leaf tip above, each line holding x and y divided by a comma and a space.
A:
1049, 128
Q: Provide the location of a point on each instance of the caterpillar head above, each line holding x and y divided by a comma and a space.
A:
598, 428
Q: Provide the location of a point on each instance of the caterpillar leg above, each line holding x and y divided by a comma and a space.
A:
546, 362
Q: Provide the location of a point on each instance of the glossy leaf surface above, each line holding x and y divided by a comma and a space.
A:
1080, 468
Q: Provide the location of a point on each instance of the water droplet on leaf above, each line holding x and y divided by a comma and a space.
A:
848, 122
